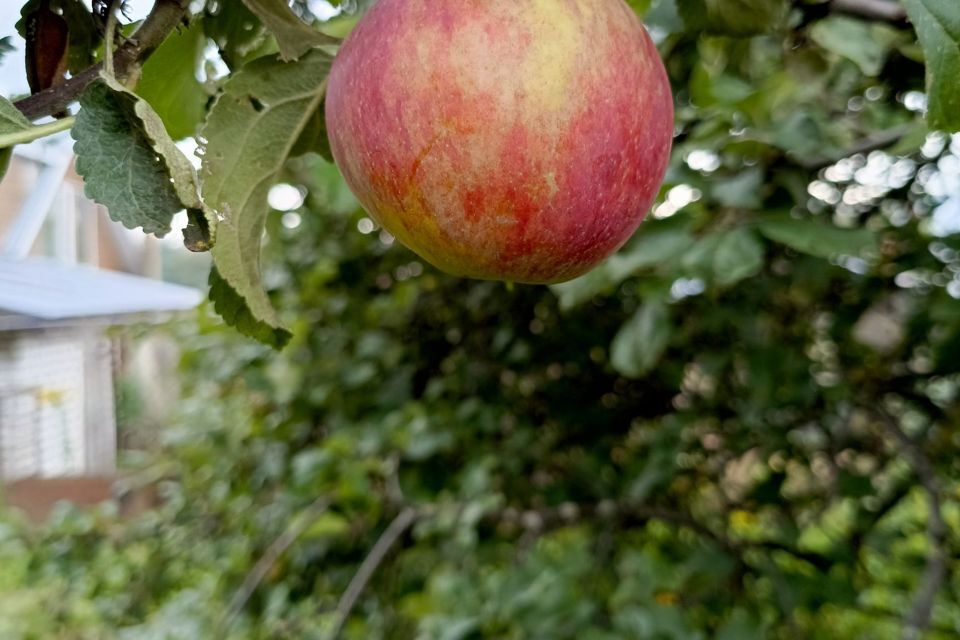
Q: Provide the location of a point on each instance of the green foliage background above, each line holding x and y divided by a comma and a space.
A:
697, 440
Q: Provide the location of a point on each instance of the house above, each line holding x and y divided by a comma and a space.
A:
68, 277
57, 415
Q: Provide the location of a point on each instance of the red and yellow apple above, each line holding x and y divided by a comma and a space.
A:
518, 140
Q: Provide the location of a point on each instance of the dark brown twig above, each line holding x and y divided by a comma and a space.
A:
627, 513
870, 520
940, 629
369, 566
270, 558
165, 16
935, 572
876, 142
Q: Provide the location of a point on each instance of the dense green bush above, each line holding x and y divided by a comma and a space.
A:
735, 428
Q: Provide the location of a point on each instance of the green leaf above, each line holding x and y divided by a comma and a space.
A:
640, 7
11, 120
659, 465
852, 485
116, 121
329, 525
739, 255
663, 16
169, 82
252, 130
938, 27
85, 36
638, 345
577, 291
865, 44
234, 29
803, 134
314, 138
654, 246
183, 176
742, 191
294, 36
740, 626
181, 173
709, 88
725, 258
815, 238
656, 243
117, 158
733, 17
236, 313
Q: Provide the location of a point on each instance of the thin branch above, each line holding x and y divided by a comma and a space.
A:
935, 572
884, 10
266, 562
871, 519
35, 133
893, 616
539, 521
633, 514
165, 16
368, 567
876, 142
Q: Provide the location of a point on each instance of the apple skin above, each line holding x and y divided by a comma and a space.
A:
517, 140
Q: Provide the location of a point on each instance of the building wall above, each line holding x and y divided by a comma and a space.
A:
14, 189
56, 404
76, 229
100, 414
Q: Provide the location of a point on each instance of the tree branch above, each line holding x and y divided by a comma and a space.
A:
259, 571
885, 10
871, 519
632, 514
935, 571
541, 520
35, 133
875, 142
162, 20
940, 629
628, 513
368, 567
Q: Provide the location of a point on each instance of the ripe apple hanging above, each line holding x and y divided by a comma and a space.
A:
518, 140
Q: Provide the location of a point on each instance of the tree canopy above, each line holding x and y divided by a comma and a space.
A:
742, 425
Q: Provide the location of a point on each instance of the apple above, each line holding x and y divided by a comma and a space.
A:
517, 140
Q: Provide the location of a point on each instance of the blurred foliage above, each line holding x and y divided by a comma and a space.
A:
699, 439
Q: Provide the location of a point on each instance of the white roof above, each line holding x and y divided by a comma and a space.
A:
48, 291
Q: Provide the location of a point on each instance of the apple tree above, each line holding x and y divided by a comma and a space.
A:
742, 425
